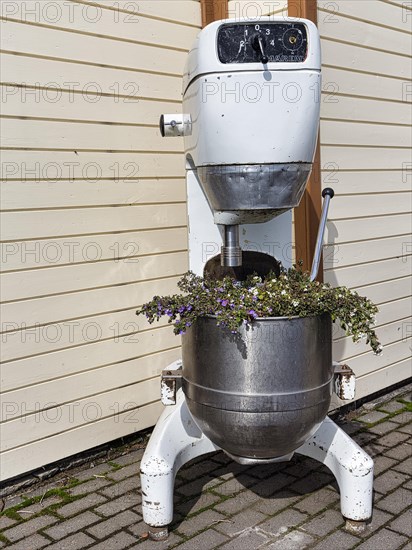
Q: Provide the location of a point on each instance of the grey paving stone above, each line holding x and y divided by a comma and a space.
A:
407, 397
364, 438
396, 502
89, 487
208, 540
400, 452
122, 487
228, 471
324, 523
117, 542
79, 505
202, 484
317, 501
385, 539
129, 457
296, 540
383, 428
379, 518
408, 485
195, 504
405, 466
246, 541
199, 469
373, 448
191, 526
6, 522
276, 503
33, 542
11, 502
234, 505
113, 507
278, 525
372, 416
235, 485
241, 522
393, 438
388, 481
66, 528
403, 417
25, 513
75, 542
263, 471
311, 483
407, 429
91, 472
382, 463
221, 457
24, 530
270, 486
125, 472
301, 467
148, 544
402, 524
340, 540
105, 528
351, 427
392, 406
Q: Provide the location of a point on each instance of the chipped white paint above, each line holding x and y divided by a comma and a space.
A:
351, 466
177, 439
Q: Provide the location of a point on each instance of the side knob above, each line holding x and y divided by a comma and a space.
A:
259, 44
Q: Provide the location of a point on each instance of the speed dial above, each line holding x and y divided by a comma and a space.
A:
292, 39
276, 42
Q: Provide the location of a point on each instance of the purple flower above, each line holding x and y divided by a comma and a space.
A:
181, 309
253, 313
169, 312
189, 308
224, 303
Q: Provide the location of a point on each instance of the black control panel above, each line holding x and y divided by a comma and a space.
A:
262, 43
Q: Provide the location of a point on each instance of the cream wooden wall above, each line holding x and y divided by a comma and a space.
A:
365, 156
94, 218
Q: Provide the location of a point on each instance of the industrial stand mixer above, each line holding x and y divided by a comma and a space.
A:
250, 125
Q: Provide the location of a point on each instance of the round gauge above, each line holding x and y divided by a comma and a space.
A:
292, 39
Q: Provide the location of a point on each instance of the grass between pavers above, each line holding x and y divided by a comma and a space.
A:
62, 492
407, 408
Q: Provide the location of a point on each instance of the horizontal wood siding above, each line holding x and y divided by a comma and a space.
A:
365, 156
94, 219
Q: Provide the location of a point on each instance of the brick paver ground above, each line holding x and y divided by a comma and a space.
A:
220, 504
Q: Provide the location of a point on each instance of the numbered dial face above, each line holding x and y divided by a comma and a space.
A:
257, 43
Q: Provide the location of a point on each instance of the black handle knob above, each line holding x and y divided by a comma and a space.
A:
328, 191
162, 125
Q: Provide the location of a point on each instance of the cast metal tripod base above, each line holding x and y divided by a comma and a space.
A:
177, 439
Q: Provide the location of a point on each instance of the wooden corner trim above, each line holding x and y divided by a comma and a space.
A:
213, 10
307, 214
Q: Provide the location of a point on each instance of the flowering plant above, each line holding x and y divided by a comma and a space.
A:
291, 294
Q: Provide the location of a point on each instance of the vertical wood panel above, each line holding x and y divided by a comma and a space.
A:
307, 214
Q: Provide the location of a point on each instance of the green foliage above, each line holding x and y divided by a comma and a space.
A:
291, 294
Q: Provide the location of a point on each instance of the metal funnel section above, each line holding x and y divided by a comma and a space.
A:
250, 193
253, 193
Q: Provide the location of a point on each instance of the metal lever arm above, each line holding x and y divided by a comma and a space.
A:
327, 195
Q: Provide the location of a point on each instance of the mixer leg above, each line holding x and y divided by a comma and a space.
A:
351, 466
175, 440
